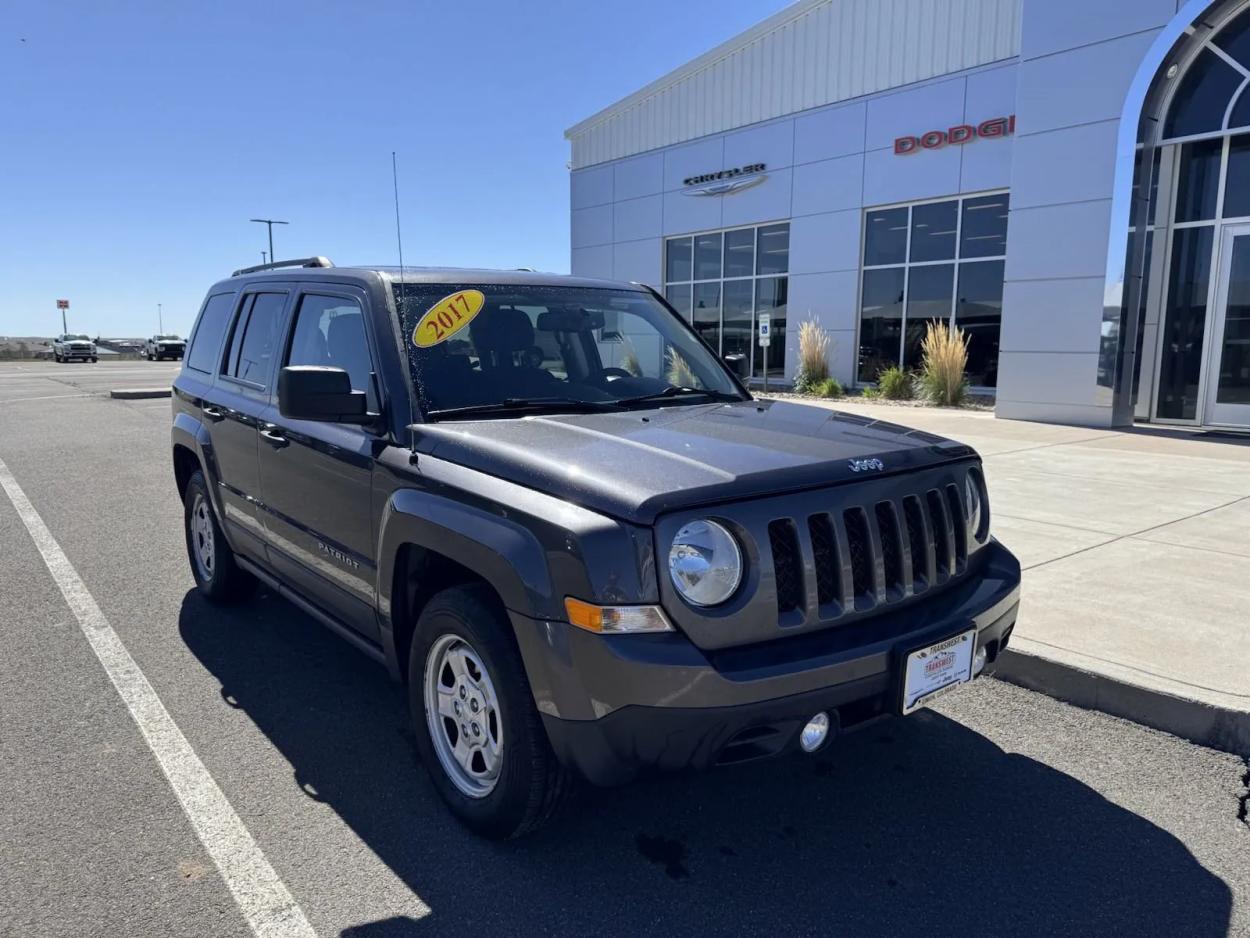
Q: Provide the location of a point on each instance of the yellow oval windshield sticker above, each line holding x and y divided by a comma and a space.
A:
447, 317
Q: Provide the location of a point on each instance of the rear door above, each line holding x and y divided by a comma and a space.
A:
316, 477
232, 407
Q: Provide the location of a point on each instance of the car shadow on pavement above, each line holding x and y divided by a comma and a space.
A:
917, 826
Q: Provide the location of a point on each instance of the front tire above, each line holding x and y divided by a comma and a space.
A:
478, 731
216, 573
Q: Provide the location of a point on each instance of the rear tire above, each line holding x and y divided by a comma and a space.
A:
522, 785
216, 573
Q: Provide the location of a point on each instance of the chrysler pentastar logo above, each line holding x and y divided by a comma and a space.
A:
866, 465
725, 181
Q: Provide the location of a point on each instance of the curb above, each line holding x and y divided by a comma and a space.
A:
138, 394
1205, 724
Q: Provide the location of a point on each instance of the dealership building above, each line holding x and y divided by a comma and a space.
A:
1066, 180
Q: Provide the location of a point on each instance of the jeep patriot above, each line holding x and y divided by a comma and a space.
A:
550, 509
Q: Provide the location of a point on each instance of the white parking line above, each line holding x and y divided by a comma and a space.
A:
49, 397
268, 906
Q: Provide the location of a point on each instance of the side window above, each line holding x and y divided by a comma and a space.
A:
255, 334
209, 330
330, 330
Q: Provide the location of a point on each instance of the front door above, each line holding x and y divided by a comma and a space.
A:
316, 478
1228, 368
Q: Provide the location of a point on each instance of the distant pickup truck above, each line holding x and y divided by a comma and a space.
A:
160, 347
73, 347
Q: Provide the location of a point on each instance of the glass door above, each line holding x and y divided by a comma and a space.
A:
1228, 370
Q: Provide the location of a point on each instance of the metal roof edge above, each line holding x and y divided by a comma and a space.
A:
778, 20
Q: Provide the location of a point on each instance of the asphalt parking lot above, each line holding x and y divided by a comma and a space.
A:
1002, 812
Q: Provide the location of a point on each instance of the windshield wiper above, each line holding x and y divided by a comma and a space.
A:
671, 392
522, 405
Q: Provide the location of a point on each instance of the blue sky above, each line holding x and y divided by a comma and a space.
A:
136, 140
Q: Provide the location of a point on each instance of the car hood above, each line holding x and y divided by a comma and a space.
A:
636, 465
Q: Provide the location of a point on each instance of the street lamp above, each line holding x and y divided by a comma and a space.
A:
160, 319
270, 222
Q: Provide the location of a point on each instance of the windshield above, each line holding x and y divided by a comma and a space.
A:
167, 338
504, 347
77, 338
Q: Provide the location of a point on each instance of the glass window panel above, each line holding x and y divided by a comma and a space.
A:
1184, 321
933, 231
929, 294
983, 232
678, 294
738, 301
885, 237
1237, 179
772, 295
1233, 385
707, 313
707, 256
1235, 39
880, 322
1199, 180
1202, 97
677, 265
256, 354
740, 252
979, 312
1241, 111
773, 255
209, 332
331, 331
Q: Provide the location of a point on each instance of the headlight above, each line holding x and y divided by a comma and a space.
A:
705, 563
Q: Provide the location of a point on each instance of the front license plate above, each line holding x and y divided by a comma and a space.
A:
933, 672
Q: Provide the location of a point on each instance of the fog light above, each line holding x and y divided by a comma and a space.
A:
815, 732
978, 662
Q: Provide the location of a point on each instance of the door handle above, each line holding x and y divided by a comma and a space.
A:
272, 434
213, 413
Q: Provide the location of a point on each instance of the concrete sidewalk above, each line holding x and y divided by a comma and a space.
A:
1136, 550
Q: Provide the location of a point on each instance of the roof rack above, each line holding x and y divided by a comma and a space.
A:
277, 265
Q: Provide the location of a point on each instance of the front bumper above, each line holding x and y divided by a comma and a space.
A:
616, 706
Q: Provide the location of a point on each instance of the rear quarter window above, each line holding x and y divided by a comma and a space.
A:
206, 338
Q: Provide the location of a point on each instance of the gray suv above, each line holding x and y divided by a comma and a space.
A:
548, 508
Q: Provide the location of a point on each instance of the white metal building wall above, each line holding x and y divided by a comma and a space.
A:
814, 53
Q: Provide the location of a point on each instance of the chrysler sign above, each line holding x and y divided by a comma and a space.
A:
725, 181
957, 135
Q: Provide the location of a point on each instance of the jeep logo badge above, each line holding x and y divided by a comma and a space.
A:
866, 465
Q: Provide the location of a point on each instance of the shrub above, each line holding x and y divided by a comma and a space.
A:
942, 378
629, 360
813, 367
870, 394
830, 387
678, 373
895, 384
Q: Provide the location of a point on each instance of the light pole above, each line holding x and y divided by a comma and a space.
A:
270, 222
160, 319
264, 257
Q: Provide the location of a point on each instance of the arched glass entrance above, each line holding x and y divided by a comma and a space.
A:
1198, 242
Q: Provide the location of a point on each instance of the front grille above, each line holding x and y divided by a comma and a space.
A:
863, 557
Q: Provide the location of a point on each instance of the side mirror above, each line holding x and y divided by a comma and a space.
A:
737, 363
313, 392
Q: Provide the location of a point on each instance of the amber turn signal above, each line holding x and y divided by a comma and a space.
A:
615, 620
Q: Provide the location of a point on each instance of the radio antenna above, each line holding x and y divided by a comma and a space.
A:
399, 237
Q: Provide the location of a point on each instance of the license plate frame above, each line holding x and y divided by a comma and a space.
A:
917, 689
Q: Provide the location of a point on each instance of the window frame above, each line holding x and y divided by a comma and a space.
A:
907, 264
754, 277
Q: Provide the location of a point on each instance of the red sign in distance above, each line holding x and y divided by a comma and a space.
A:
62, 304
